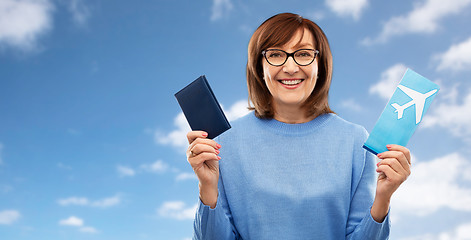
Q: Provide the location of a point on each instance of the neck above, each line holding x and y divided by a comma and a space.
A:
292, 114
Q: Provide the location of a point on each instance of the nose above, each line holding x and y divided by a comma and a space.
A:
290, 66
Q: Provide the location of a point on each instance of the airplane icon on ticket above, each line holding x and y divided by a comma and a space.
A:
418, 99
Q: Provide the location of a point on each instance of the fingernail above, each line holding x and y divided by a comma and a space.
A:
388, 146
377, 164
218, 146
217, 151
219, 158
379, 155
205, 134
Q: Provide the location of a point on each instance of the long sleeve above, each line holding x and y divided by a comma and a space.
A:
214, 223
293, 181
360, 223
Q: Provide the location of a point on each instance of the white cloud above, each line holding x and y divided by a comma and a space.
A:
347, 8
462, 232
88, 230
186, 176
83, 201
158, 166
77, 222
220, 8
71, 221
107, 202
177, 210
124, 171
22, 22
8, 217
449, 93
435, 184
457, 58
316, 15
388, 81
246, 29
424, 18
177, 137
237, 110
351, 105
80, 12
451, 115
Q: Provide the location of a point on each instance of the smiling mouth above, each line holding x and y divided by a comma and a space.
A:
291, 82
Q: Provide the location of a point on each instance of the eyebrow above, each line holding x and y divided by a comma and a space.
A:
297, 46
300, 45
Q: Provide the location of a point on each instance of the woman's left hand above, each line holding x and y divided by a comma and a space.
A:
394, 168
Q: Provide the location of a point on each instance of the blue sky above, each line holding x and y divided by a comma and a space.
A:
92, 140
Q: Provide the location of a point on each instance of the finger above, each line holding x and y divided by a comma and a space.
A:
395, 165
392, 173
200, 148
204, 141
197, 161
404, 150
381, 176
192, 135
388, 171
401, 158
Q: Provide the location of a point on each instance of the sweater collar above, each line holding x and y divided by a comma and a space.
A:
297, 128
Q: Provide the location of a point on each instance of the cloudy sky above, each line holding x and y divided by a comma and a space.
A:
92, 140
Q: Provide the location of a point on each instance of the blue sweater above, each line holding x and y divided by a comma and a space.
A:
293, 181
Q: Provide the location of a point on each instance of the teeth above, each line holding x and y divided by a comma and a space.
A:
291, 82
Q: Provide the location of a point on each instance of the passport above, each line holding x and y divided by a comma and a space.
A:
403, 113
201, 108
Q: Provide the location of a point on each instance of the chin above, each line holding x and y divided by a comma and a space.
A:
293, 102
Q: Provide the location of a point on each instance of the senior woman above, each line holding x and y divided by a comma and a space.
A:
292, 168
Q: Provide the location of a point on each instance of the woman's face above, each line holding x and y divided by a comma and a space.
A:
291, 84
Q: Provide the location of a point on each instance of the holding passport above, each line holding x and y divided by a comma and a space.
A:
201, 108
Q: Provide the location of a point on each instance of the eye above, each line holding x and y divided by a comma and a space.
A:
275, 54
304, 53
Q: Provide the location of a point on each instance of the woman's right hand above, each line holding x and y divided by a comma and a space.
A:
202, 154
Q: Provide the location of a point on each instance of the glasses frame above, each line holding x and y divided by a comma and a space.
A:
264, 53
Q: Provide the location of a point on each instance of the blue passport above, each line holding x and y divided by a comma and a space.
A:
201, 108
403, 113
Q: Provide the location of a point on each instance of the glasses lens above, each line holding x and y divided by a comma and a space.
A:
304, 56
275, 57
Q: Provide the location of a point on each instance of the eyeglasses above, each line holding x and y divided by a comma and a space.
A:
278, 57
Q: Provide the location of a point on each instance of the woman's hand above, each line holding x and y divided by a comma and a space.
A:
393, 169
202, 154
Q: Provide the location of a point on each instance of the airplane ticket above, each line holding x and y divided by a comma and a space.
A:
403, 113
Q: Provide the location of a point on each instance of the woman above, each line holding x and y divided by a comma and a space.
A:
292, 169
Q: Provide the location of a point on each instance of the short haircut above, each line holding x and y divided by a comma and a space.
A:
277, 31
